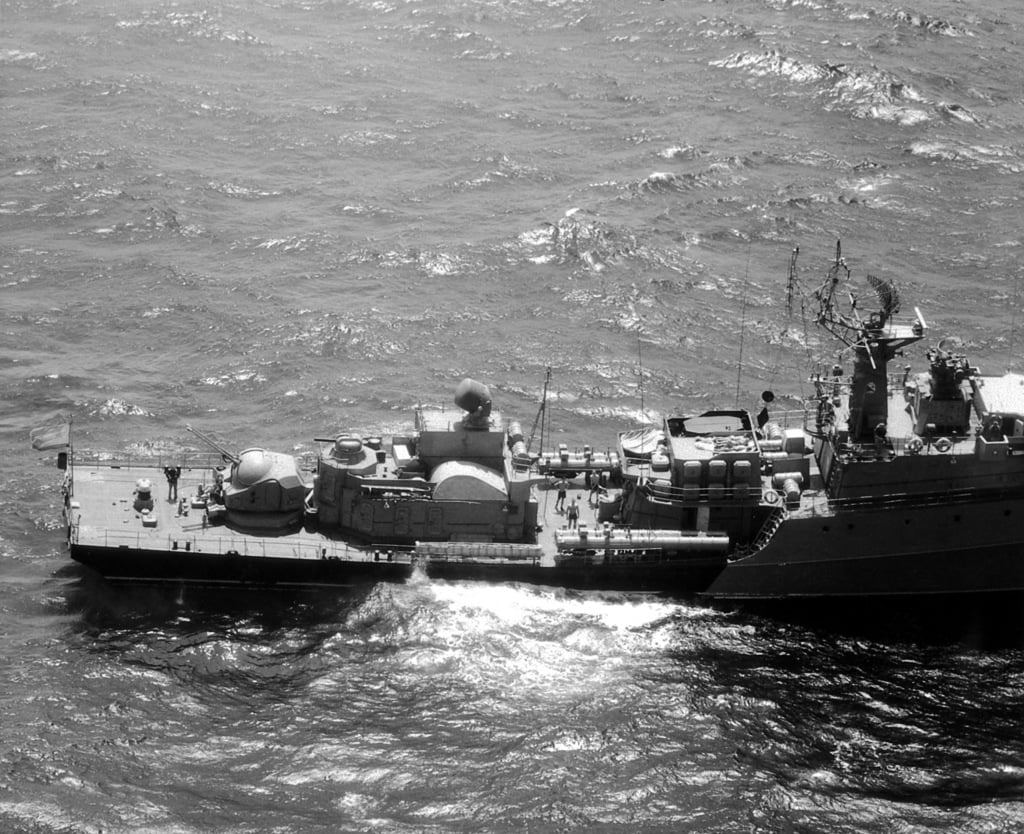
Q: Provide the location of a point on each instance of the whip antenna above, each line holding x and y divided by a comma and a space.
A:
640, 366
743, 327
1013, 318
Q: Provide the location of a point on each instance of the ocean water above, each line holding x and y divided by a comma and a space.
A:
271, 220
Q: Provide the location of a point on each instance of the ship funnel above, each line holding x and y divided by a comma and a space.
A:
475, 399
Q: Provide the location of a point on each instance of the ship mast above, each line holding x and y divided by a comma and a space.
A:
541, 417
874, 339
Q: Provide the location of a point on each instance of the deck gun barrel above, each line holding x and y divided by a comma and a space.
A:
213, 444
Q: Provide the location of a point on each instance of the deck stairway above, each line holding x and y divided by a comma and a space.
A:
768, 529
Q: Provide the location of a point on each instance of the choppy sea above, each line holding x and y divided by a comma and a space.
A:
277, 218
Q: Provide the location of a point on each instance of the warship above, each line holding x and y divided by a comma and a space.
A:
886, 485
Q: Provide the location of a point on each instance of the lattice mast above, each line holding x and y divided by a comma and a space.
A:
874, 338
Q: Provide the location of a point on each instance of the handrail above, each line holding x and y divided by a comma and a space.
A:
661, 491
796, 417
188, 459
772, 523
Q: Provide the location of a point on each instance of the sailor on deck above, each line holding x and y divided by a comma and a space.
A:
573, 514
172, 473
881, 441
562, 485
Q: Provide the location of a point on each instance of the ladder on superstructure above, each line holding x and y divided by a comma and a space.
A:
768, 529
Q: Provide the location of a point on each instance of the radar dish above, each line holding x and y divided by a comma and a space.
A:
887, 295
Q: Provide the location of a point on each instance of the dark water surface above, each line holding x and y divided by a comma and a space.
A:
275, 220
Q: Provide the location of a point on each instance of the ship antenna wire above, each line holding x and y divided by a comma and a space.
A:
71, 455
640, 368
793, 288
1013, 318
743, 326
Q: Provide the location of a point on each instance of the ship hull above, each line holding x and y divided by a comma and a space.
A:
159, 567
961, 548
928, 547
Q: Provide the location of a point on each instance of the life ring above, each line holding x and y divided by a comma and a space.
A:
943, 444
915, 445
771, 497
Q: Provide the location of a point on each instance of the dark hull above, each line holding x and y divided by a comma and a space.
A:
960, 571
234, 570
957, 549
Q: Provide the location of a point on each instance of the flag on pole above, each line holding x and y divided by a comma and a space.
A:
51, 437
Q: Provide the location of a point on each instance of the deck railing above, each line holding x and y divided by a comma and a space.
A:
663, 491
158, 460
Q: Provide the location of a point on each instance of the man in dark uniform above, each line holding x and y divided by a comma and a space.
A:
172, 473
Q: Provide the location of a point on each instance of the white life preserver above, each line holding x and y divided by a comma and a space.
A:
771, 497
915, 445
943, 444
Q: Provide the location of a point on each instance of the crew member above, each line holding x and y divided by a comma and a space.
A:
573, 514
217, 491
881, 441
172, 473
562, 485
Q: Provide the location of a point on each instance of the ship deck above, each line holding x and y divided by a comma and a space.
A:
101, 514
